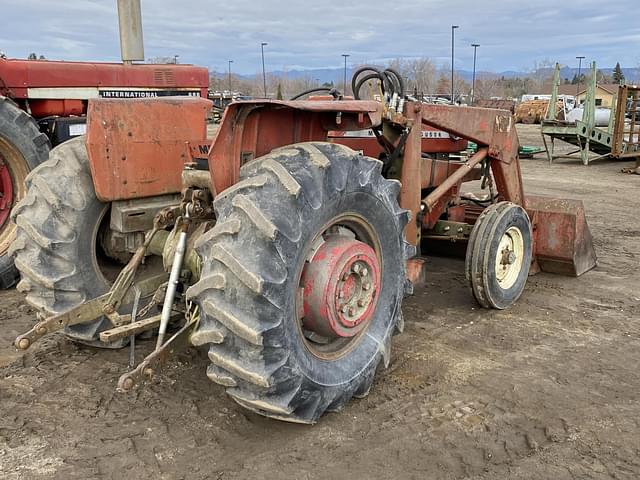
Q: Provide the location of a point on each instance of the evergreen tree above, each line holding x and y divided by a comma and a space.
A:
618, 76
279, 92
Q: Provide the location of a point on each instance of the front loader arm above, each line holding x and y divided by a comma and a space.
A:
562, 240
486, 127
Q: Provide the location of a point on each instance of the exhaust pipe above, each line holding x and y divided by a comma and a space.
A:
130, 20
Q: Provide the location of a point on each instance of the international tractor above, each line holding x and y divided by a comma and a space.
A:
286, 256
44, 103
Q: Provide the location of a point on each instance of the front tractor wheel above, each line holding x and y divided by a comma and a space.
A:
302, 280
499, 255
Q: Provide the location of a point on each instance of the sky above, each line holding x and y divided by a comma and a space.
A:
513, 35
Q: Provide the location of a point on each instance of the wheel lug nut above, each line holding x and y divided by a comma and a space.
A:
356, 267
351, 312
344, 309
361, 303
345, 276
340, 294
365, 272
366, 286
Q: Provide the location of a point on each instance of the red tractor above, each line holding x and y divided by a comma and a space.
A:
287, 256
44, 103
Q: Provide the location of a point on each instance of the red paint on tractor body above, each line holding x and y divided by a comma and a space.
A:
63, 88
364, 141
137, 148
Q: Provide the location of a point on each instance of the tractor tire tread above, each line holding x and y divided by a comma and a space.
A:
259, 225
52, 251
477, 261
22, 131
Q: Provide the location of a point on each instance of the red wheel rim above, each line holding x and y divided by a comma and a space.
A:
340, 287
6, 193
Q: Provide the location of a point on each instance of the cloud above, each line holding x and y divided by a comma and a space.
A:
512, 34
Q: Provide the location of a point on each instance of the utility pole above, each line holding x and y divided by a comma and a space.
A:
264, 73
473, 82
230, 62
580, 58
344, 92
453, 40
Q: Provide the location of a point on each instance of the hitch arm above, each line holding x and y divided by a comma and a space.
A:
147, 368
85, 312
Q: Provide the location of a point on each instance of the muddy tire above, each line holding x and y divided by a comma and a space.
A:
56, 242
499, 255
249, 292
22, 148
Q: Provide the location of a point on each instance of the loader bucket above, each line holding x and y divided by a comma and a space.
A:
562, 240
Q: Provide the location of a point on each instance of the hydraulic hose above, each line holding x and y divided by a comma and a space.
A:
330, 90
399, 79
387, 87
361, 82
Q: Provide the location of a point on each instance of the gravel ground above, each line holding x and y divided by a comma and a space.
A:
547, 389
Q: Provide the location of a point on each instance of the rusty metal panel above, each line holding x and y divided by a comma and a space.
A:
137, 147
435, 171
250, 129
373, 108
433, 141
484, 126
82, 80
411, 176
562, 240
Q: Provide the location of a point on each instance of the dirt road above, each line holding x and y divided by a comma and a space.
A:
548, 389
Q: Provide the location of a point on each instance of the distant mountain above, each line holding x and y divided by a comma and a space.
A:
630, 74
336, 75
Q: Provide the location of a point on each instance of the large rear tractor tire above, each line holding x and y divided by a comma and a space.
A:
22, 148
302, 280
56, 247
499, 255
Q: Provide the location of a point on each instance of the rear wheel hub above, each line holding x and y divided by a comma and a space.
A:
6, 192
340, 286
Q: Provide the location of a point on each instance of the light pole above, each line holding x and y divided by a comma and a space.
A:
175, 59
230, 62
453, 39
264, 73
345, 55
473, 82
580, 58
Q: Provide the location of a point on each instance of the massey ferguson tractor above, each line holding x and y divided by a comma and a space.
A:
44, 103
286, 256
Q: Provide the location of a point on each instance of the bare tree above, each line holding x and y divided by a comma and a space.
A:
489, 87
